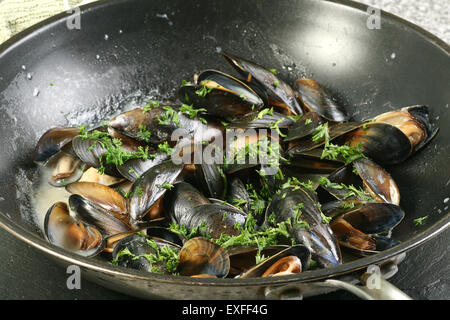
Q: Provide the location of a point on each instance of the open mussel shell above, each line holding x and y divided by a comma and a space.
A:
368, 217
413, 121
181, 199
202, 256
358, 242
299, 251
353, 239
230, 83
217, 219
149, 188
421, 114
242, 258
133, 169
335, 190
307, 227
275, 87
52, 142
227, 98
375, 217
381, 142
96, 215
315, 98
377, 181
104, 196
65, 231
65, 169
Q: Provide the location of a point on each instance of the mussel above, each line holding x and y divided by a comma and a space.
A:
89, 211
138, 252
354, 222
200, 256
307, 223
151, 186
221, 95
315, 98
65, 169
216, 218
52, 142
291, 260
63, 230
276, 88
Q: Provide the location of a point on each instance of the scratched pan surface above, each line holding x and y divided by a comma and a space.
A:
80, 76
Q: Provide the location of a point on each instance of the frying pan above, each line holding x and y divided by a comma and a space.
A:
82, 76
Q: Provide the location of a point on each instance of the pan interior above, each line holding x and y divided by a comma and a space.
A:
80, 76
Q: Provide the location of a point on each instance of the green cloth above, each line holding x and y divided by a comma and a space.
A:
17, 15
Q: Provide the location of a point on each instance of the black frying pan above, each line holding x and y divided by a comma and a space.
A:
153, 45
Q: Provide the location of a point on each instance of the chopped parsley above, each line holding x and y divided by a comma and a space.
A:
275, 127
190, 111
114, 152
164, 147
332, 151
204, 89
152, 104
264, 112
144, 134
165, 256
352, 191
166, 185
420, 221
170, 116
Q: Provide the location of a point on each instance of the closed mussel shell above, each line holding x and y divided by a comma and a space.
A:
378, 181
216, 218
150, 187
310, 230
381, 142
181, 199
202, 256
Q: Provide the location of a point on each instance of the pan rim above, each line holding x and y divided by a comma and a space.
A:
315, 275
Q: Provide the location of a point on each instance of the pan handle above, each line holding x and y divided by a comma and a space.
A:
373, 287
